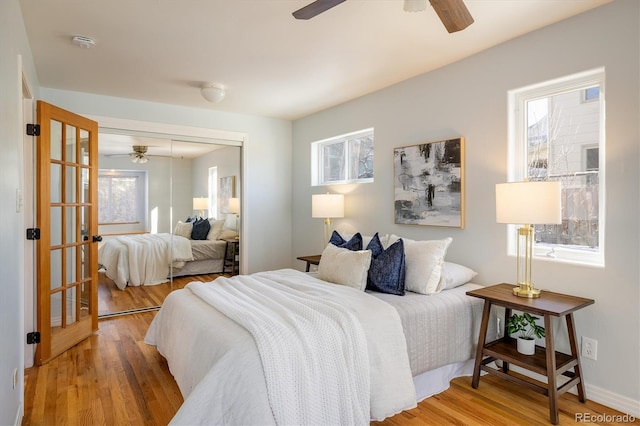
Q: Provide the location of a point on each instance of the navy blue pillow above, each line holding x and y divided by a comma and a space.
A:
355, 243
200, 229
386, 273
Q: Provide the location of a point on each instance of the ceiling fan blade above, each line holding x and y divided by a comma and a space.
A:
453, 13
315, 8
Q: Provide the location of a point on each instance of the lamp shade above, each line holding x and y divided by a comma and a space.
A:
234, 205
415, 5
327, 205
532, 203
201, 203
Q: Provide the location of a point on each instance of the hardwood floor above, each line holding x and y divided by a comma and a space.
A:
114, 378
111, 299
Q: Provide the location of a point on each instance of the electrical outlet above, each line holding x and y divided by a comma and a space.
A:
589, 348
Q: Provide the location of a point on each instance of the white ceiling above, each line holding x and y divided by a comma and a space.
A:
272, 64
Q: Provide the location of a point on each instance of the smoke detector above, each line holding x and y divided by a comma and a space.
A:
83, 42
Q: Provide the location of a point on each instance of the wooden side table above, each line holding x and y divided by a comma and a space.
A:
311, 260
546, 361
231, 251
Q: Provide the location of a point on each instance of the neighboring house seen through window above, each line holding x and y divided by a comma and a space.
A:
343, 159
557, 133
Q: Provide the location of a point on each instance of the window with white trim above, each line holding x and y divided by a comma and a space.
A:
343, 159
556, 132
122, 197
213, 191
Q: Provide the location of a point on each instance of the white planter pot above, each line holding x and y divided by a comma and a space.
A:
526, 347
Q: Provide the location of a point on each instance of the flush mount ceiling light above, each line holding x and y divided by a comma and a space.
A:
415, 5
213, 92
83, 42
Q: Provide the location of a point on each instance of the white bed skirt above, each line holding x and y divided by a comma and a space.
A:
433, 382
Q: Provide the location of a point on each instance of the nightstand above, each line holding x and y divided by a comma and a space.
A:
232, 256
311, 260
546, 361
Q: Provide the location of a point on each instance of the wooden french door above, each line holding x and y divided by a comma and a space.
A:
67, 216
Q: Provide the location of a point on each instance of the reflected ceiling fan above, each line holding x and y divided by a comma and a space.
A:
453, 13
139, 154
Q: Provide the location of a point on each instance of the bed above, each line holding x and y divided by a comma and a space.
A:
149, 259
416, 345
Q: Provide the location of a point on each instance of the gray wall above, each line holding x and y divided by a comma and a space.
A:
14, 48
469, 99
227, 160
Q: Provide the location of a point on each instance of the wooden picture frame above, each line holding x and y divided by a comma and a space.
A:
429, 184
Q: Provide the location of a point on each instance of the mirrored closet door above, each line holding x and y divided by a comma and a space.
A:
164, 217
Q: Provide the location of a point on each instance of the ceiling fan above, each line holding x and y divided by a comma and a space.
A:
453, 13
139, 154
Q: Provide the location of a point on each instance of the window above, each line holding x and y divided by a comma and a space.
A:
343, 159
122, 197
213, 192
557, 133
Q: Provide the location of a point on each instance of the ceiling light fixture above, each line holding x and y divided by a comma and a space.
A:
213, 92
139, 154
415, 5
83, 42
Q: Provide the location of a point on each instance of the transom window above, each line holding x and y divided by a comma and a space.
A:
343, 159
557, 133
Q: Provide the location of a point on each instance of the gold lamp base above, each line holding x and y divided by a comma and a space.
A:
527, 291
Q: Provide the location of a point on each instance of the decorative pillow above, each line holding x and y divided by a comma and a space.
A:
345, 267
355, 243
226, 234
183, 229
454, 275
386, 273
200, 229
216, 229
366, 239
424, 262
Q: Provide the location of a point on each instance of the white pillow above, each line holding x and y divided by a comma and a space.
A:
216, 229
454, 275
183, 229
226, 234
424, 261
345, 267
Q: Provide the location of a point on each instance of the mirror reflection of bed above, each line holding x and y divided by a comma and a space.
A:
143, 203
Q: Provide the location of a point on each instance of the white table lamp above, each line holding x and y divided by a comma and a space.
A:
527, 203
201, 204
327, 206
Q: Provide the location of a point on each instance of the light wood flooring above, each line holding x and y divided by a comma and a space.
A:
111, 299
114, 378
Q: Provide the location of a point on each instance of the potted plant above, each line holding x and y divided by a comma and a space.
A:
526, 326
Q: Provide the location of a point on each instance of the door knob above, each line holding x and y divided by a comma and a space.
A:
97, 238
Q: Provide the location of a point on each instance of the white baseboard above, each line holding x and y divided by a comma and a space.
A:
19, 415
594, 393
613, 400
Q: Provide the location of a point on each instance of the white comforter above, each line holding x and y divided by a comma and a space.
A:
143, 259
287, 373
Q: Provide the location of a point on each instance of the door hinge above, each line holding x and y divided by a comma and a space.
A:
33, 129
33, 233
33, 337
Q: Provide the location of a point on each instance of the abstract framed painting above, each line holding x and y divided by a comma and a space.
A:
429, 184
226, 191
